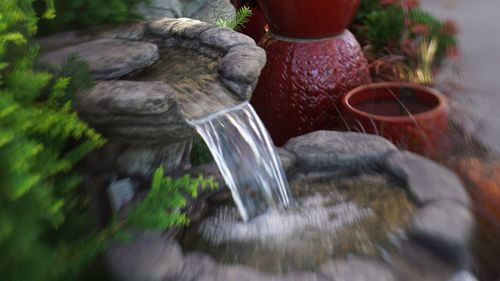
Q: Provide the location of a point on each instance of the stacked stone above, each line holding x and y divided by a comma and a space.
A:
143, 118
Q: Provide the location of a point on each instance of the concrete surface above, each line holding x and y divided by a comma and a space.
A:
479, 38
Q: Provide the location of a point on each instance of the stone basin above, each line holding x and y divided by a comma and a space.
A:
429, 239
152, 78
193, 70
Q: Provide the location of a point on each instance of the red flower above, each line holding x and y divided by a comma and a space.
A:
449, 28
409, 4
453, 53
420, 29
409, 47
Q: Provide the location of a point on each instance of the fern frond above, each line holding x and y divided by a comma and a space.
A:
243, 15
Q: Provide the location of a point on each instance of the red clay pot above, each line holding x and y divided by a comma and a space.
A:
411, 116
309, 18
300, 88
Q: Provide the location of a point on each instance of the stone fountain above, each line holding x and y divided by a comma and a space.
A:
424, 234
135, 103
147, 91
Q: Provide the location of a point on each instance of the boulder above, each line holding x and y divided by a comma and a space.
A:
107, 58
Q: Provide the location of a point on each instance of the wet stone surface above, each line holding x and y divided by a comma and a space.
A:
334, 218
195, 80
357, 269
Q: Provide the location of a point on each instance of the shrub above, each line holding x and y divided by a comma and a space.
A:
38, 185
162, 206
76, 14
200, 154
389, 28
45, 230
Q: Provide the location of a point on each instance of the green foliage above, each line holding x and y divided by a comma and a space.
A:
435, 30
366, 7
242, 17
37, 190
200, 154
391, 29
384, 27
162, 206
45, 231
73, 14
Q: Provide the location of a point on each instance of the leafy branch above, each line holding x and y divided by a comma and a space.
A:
242, 17
163, 205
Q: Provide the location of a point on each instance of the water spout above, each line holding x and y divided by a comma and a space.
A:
245, 155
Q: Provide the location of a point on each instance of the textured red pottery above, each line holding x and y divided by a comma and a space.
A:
309, 18
411, 116
300, 88
256, 27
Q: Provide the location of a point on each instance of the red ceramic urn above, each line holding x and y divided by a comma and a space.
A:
312, 62
309, 18
301, 87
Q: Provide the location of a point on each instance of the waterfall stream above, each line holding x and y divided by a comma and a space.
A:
245, 155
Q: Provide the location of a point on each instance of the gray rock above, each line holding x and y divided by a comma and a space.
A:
243, 63
225, 38
62, 39
288, 159
147, 134
157, 9
241, 273
107, 58
357, 269
132, 32
198, 266
134, 112
184, 27
149, 257
329, 149
144, 159
126, 98
206, 10
446, 225
213, 10
427, 181
463, 276
241, 90
169, 118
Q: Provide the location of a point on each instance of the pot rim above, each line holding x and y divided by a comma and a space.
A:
431, 114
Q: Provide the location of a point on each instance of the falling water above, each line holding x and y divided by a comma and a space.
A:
246, 157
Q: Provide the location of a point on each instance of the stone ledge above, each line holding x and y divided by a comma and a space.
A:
446, 227
107, 58
444, 224
337, 150
357, 269
427, 181
183, 27
126, 98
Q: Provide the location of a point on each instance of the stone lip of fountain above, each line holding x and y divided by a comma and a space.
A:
442, 223
143, 120
116, 103
149, 111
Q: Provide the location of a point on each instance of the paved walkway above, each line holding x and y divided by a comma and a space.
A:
479, 37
